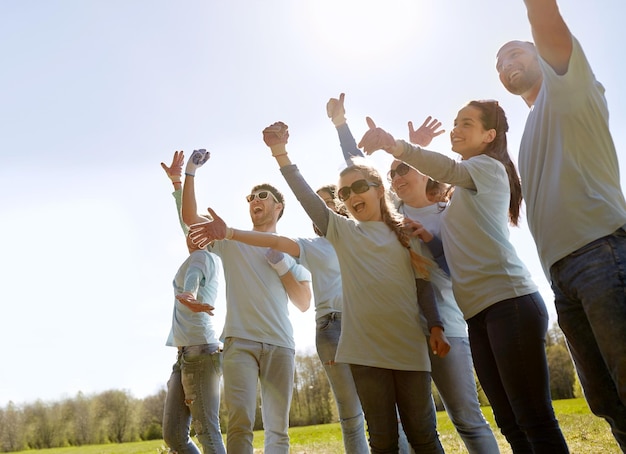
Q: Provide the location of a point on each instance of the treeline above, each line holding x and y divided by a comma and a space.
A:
115, 416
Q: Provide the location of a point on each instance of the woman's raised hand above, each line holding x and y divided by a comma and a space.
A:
376, 139
276, 136
423, 135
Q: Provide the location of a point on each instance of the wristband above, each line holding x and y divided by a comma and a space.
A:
279, 154
229, 233
190, 174
281, 267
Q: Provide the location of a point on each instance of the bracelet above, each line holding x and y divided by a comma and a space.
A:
175, 181
229, 233
279, 154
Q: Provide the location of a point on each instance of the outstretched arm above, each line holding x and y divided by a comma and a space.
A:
550, 33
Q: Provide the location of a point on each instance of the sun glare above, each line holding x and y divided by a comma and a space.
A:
361, 28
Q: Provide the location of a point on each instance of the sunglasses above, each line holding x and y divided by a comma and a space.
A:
358, 187
261, 195
401, 170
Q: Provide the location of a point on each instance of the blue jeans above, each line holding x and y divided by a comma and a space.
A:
508, 347
454, 377
381, 391
193, 394
590, 299
245, 363
328, 330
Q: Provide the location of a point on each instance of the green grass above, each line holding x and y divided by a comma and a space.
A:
585, 434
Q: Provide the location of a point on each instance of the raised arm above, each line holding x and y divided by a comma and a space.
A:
337, 113
275, 136
174, 172
190, 206
550, 33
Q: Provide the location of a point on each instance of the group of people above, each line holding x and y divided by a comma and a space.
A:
418, 281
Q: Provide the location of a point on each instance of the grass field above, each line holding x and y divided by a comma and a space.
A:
585, 434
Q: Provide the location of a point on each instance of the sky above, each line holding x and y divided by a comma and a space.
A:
96, 94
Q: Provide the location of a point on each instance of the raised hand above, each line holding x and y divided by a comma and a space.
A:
197, 160
376, 138
187, 299
175, 169
276, 259
276, 136
423, 135
336, 110
204, 233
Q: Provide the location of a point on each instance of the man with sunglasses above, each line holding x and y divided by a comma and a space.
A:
575, 206
258, 335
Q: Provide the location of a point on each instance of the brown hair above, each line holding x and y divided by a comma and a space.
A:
279, 196
493, 117
391, 217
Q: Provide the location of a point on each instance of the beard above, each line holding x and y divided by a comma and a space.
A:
526, 80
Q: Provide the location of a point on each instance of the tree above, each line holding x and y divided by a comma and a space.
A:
562, 376
11, 429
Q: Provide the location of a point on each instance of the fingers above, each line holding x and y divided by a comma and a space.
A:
370, 123
342, 96
213, 215
411, 129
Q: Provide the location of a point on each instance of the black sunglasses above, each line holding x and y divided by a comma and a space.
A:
401, 170
262, 195
358, 187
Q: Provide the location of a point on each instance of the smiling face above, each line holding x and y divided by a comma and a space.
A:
409, 186
264, 213
469, 138
366, 205
518, 68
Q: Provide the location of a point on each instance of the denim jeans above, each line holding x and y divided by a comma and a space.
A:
384, 393
193, 395
245, 363
508, 347
328, 330
454, 377
590, 299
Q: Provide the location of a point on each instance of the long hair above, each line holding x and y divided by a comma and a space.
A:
493, 117
392, 218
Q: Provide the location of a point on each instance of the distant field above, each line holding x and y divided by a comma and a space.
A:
585, 434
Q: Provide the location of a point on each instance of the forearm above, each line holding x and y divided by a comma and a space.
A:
310, 201
348, 144
550, 33
178, 196
436, 165
299, 292
427, 303
270, 240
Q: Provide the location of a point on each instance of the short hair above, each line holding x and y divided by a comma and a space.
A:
279, 195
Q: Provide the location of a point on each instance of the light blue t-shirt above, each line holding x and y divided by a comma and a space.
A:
256, 300
449, 312
381, 325
319, 257
484, 266
198, 274
568, 163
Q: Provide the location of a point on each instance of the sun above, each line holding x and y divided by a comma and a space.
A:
362, 28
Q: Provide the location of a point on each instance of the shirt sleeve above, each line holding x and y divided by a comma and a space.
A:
437, 166
308, 198
427, 303
178, 196
348, 144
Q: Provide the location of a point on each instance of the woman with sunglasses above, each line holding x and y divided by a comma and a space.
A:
382, 276
422, 200
319, 257
506, 316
